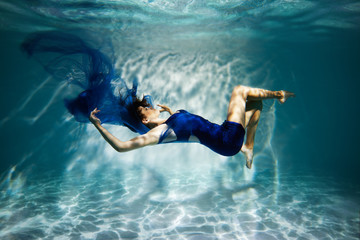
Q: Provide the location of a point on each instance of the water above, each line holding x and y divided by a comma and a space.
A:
59, 180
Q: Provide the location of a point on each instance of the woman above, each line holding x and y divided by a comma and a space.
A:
227, 139
66, 56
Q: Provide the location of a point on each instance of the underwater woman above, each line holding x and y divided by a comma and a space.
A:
66, 56
227, 139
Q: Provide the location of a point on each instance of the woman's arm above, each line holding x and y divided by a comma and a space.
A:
150, 138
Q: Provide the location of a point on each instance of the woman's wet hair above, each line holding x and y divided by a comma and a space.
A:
140, 103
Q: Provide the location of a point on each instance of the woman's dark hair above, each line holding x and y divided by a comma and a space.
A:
140, 103
134, 116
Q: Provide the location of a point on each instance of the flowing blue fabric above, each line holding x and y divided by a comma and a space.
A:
67, 57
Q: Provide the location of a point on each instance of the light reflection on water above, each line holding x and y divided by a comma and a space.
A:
137, 203
188, 55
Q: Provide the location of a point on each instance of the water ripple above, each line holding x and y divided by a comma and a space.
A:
106, 207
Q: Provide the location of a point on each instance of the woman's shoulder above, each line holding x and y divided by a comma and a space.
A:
181, 111
176, 115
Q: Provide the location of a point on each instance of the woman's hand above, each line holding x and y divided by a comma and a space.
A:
165, 109
95, 120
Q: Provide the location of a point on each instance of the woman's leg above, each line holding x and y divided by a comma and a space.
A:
252, 117
239, 96
245, 107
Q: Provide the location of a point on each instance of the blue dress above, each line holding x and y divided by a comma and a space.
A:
225, 139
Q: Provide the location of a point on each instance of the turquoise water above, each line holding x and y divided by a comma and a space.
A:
60, 180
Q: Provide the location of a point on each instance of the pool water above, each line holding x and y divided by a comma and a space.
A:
61, 180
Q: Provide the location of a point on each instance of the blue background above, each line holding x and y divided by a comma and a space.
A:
188, 54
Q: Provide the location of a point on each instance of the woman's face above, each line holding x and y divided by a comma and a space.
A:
148, 113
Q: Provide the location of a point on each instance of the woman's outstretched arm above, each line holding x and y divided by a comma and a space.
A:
150, 138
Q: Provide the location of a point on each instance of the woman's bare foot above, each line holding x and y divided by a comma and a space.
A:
249, 154
285, 96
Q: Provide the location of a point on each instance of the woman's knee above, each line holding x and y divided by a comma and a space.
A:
241, 90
